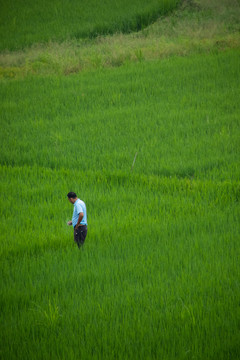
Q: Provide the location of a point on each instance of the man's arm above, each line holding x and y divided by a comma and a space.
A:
80, 217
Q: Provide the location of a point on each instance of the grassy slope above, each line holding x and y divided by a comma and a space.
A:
24, 23
194, 28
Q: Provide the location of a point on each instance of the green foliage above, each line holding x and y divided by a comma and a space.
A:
158, 276
26, 22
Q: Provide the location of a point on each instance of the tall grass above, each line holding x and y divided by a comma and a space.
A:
158, 276
26, 22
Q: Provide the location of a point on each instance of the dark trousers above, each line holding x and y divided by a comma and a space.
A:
80, 235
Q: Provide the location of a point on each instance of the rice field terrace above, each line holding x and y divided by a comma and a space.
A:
26, 22
152, 146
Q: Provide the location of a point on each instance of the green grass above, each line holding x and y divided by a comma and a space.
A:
158, 277
26, 22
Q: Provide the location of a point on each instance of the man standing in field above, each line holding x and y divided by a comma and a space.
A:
79, 219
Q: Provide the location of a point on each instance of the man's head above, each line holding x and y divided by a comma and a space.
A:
72, 197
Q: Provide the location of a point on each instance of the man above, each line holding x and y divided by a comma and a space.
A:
79, 219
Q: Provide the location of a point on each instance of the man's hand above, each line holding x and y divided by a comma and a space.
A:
69, 223
76, 227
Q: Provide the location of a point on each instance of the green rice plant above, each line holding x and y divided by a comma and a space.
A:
48, 318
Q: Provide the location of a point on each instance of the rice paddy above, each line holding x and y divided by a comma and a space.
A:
153, 149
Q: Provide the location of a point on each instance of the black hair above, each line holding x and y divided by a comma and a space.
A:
71, 195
